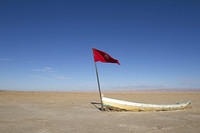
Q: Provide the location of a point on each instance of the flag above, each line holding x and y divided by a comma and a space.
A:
103, 57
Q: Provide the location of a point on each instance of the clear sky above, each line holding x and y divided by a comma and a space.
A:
47, 45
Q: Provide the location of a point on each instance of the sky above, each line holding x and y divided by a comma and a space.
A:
47, 45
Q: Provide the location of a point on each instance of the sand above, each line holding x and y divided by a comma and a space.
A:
72, 112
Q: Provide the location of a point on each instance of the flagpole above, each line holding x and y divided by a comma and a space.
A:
102, 109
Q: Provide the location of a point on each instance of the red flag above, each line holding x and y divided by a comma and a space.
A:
103, 57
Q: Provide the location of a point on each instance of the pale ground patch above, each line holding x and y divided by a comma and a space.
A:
65, 112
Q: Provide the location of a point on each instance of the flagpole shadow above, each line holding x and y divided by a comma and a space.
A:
96, 105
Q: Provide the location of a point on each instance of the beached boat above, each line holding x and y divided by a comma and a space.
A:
114, 104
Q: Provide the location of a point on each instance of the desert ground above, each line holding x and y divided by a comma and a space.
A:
75, 112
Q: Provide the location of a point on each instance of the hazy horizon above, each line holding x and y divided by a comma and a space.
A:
111, 90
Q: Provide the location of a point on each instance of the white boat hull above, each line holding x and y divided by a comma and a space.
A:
132, 106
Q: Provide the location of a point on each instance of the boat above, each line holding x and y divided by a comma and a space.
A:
118, 105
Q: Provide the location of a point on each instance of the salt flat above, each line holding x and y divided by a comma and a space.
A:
65, 112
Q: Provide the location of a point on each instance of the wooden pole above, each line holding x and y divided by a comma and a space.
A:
102, 109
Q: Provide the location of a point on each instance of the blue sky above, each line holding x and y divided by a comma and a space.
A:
47, 45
